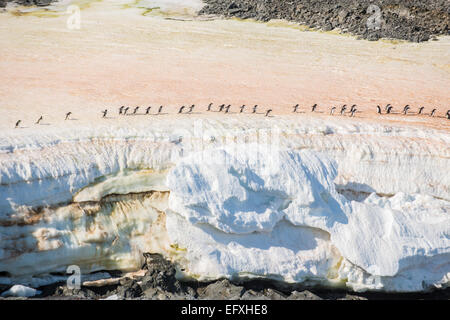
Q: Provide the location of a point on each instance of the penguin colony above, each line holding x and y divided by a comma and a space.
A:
388, 109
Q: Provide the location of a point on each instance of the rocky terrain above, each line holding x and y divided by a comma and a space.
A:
27, 2
411, 20
158, 282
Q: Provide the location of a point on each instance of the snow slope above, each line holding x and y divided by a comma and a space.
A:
239, 197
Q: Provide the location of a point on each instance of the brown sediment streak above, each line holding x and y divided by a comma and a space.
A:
32, 216
83, 221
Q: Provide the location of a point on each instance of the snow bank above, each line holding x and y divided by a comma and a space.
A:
234, 198
242, 215
20, 291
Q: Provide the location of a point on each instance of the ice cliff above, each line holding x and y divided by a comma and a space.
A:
334, 203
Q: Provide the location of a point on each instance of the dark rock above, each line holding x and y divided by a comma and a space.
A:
253, 295
328, 27
303, 295
266, 294
82, 293
4, 287
221, 290
43, 3
160, 273
129, 289
40, 3
352, 297
150, 293
274, 294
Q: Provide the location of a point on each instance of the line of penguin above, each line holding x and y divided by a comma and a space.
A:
226, 108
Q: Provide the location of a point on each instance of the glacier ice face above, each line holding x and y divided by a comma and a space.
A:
221, 202
225, 230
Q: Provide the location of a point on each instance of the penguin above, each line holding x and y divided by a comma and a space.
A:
221, 107
18, 123
191, 108
135, 110
68, 115
254, 108
147, 111
267, 112
181, 110
420, 110
209, 107
344, 107
313, 108
227, 108
405, 109
160, 109
352, 112
121, 109
39, 120
388, 111
448, 114
353, 107
242, 108
104, 113
378, 110
295, 108
126, 109
387, 107
432, 112
332, 110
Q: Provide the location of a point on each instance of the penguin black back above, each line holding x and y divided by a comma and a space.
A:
378, 109
432, 112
